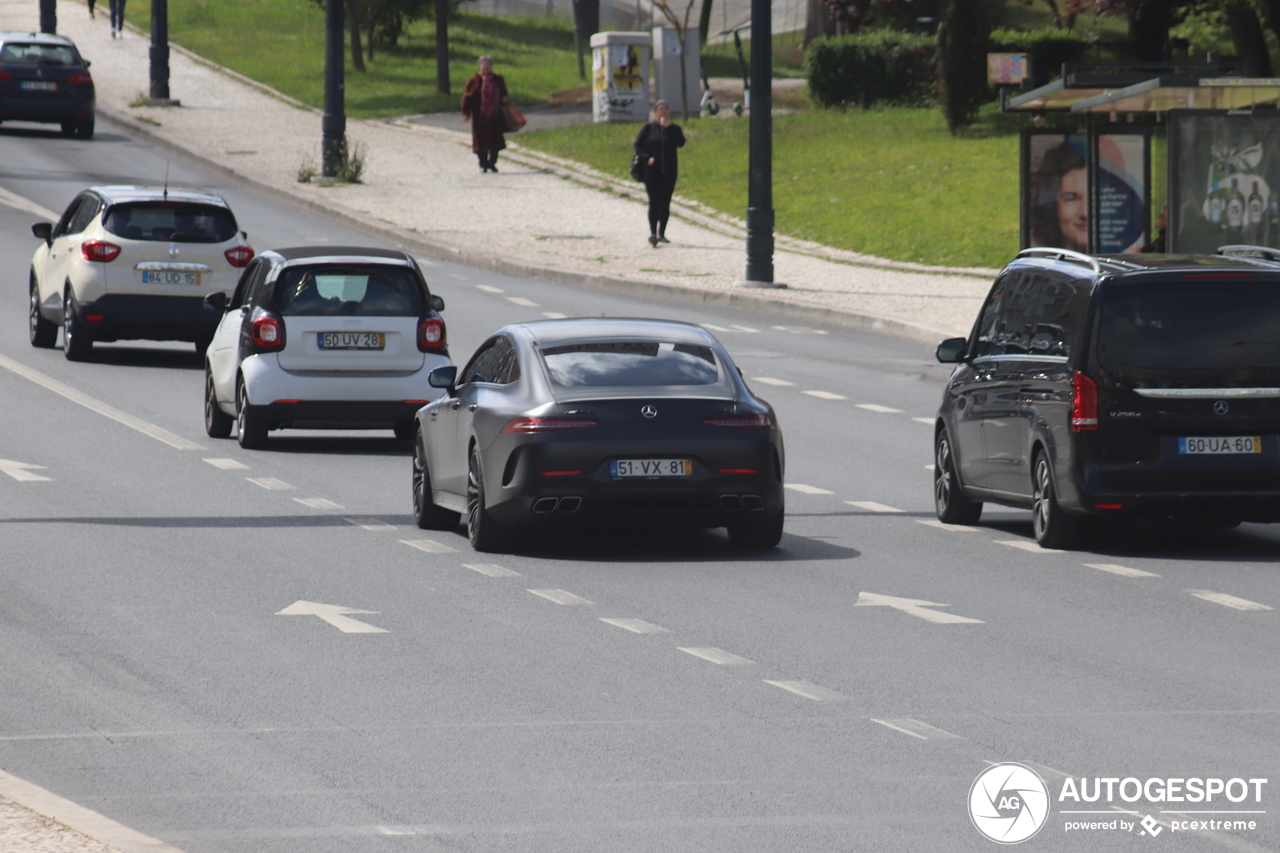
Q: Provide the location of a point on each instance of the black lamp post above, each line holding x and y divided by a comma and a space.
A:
49, 16
160, 51
760, 187
334, 124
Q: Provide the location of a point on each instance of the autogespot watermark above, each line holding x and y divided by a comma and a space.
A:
1010, 803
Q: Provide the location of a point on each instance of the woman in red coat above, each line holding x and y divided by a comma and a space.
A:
482, 102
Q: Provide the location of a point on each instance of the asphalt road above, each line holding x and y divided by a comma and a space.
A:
735, 703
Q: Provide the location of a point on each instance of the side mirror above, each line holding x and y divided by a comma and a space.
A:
87, 63
43, 230
950, 350
443, 377
216, 301
437, 302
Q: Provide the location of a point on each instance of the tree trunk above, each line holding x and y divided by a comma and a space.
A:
818, 21
586, 23
1271, 11
684, 75
370, 21
353, 24
442, 46
1246, 33
1149, 23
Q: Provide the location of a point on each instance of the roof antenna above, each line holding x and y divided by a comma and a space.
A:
166, 180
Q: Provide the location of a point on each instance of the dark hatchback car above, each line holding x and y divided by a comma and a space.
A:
1127, 387
582, 421
43, 78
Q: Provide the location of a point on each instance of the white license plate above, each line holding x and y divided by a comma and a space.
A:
351, 340
187, 278
39, 86
651, 467
1221, 444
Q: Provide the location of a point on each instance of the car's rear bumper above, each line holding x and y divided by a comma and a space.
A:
46, 111
1091, 496
337, 414
116, 317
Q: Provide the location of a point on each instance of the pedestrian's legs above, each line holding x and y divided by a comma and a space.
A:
653, 186
117, 17
91, 8
493, 161
483, 157
665, 188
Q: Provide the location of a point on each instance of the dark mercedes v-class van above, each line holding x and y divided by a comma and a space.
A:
1135, 386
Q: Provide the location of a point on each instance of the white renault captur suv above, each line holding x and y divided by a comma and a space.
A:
129, 263
323, 337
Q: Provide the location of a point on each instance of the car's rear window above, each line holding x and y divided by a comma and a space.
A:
27, 53
357, 289
176, 222
631, 364
1206, 333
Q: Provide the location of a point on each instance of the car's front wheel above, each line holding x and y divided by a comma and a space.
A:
950, 502
250, 427
77, 345
485, 533
1053, 527
217, 423
426, 514
43, 333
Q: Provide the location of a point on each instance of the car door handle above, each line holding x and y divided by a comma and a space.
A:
471, 408
456, 404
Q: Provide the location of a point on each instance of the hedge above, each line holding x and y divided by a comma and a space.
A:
866, 69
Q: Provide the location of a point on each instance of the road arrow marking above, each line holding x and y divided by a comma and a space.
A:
914, 607
21, 471
334, 615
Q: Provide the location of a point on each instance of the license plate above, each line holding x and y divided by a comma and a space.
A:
39, 86
651, 467
187, 278
1221, 444
351, 340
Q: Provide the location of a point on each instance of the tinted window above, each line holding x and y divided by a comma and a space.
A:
506, 367
26, 53
984, 336
356, 289
1059, 307
487, 365
70, 213
171, 221
1194, 334
88, 210
631, 364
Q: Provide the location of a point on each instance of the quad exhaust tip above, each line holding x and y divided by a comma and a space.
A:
566, 504
737, 502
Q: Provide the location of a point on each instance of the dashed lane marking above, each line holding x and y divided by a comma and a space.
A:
560, 596
1228, 600
872, 506
636, 626
950, 528
488, 288
1029, 547
825, 395
554, 315
746, 329
807, 690
924, 421
269, 483
522, 302
318, 503
228, 464
715, 328
431, 546
769, 380
370, 523
717, 656
806, 490
1123, 571
801, 330
917, 729
493, 571
876, 407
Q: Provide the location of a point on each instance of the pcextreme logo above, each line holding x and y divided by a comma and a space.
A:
1008, 803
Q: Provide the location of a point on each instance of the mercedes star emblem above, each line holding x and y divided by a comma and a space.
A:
649, 411
1221, 407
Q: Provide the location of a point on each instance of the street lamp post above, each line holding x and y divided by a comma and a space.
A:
49, 16
160, 51
334, 124
760, 187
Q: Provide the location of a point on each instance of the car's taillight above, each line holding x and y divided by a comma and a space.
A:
80, 78
267, 331
538, 425
431, 334
239, 256
99, 250
1084, 402
5, 75
741, 422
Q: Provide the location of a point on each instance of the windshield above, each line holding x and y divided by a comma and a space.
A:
171, 221
350, 289
631, 364
20, 53
1192, 334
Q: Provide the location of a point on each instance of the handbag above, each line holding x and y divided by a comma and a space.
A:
512, 118
637, 168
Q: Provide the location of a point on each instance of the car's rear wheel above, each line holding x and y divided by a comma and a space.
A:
43, 333
77, 345
426, 514
68, 128
405, 430
949, 499
759, 534
1053, 527
217, 423
251, 429
84, 129
485, 533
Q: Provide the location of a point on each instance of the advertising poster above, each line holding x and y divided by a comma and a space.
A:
1223, 171
1056, 202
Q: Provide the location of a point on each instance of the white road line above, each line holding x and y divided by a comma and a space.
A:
717, 656
23, 472
636, 626
748, 329
917, 729
950, 528
1029, 547
715, 328
801, 330
318, 503
370, 523
17, 202
491, 570
1228, 600
228, 464
1123, 571
872, 506
825, 395
807, 690
431, 546
559, 596
554, 315
925, 421
521, 301
769, 380
82, 399
876, 407
487, 288
806, 490
269, 483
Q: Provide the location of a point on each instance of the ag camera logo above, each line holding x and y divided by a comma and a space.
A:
1008, 803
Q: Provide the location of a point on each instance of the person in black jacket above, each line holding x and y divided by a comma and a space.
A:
656, 143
